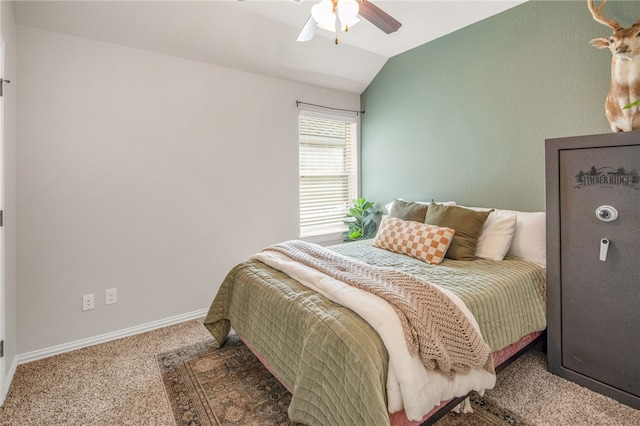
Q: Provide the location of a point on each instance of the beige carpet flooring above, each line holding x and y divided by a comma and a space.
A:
118, 383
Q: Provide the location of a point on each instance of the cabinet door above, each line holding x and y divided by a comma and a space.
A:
601, 298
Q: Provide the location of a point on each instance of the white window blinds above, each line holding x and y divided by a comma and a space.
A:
328, 171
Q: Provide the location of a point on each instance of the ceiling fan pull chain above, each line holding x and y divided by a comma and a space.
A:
335, 13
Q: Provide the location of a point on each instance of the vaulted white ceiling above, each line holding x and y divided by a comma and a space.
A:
259, 36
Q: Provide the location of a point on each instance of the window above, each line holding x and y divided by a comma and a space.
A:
328, 171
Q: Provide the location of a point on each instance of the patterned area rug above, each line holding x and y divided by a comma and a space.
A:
484, 414
229, 386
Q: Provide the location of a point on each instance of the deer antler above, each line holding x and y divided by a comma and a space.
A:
596, 12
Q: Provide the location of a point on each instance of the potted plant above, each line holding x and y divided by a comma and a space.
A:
360, 221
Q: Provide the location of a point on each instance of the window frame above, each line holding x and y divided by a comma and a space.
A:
330, 233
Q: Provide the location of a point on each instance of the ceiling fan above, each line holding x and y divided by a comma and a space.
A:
332, 15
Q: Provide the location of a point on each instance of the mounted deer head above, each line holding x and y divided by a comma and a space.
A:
625, 71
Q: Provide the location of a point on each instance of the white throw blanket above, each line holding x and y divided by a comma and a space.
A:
409, 384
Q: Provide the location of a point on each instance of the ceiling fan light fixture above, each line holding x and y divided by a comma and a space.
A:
348, 13
324, 15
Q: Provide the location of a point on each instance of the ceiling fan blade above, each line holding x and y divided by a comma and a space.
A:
378, 17
308, 31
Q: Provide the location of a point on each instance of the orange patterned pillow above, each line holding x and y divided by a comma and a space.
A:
415, 239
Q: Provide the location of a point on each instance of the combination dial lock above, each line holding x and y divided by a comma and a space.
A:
606, 213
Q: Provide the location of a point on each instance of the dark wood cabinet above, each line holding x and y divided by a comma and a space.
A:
593, 262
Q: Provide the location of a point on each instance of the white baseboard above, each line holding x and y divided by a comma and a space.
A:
8, 379
102, 338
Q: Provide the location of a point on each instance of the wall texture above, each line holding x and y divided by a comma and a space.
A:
144, 172
465, 117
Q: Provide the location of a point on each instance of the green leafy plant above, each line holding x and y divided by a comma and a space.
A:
632, 104
360, 221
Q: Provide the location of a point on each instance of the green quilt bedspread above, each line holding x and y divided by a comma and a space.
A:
507, 298
334, 362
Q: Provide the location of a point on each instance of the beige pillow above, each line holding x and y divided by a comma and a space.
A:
415, 239
408, 210
467, 223
497, 233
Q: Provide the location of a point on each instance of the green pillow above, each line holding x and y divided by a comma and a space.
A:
467, 223
408, 210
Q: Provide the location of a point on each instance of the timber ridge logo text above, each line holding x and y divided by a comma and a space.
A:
608, 176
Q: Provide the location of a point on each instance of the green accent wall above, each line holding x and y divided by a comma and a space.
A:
465, 117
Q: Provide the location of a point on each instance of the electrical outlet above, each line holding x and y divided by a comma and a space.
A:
110, 296
87, 302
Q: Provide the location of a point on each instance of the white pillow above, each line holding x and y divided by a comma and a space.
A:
444, 203
497, 233
529, 240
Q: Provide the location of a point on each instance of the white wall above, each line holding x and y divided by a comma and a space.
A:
8, 30
144, 172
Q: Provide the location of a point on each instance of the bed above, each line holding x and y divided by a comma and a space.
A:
343, 354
